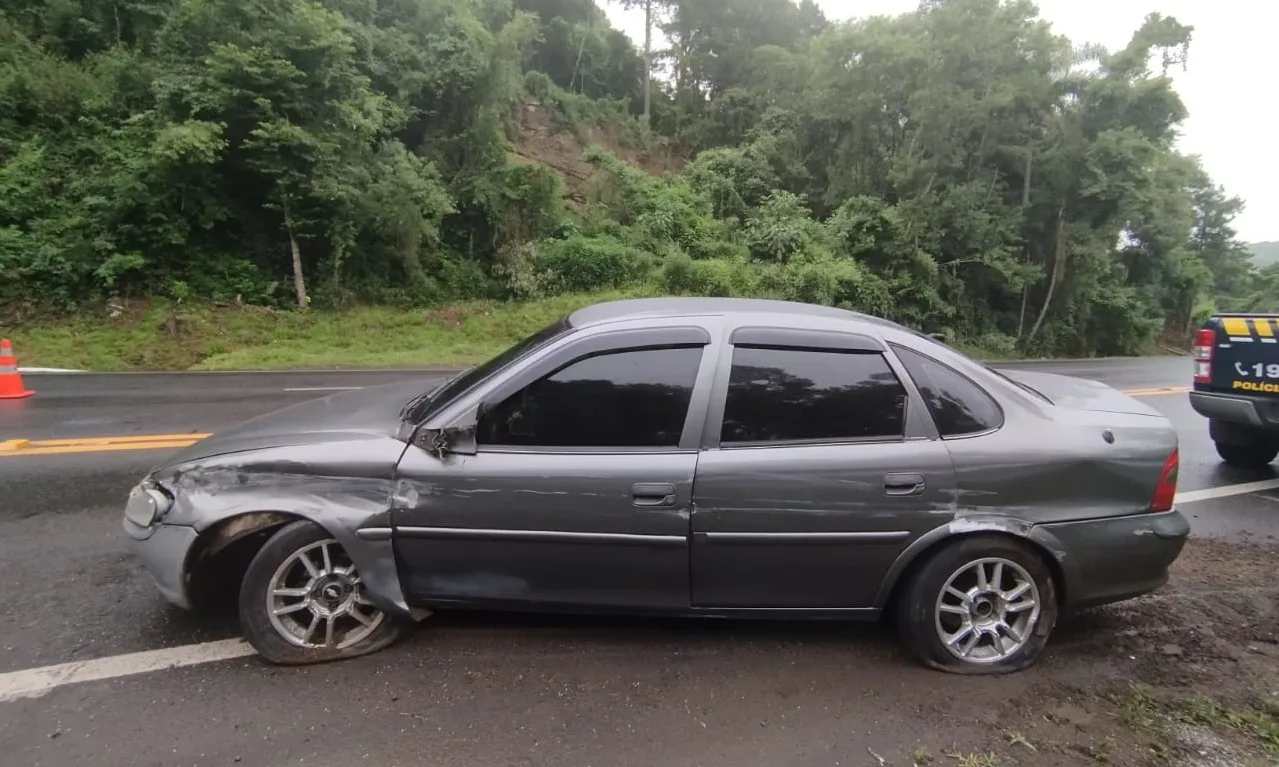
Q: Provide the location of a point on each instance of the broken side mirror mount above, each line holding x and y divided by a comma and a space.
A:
458, 437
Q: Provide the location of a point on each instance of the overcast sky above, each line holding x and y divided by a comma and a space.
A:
1228, 84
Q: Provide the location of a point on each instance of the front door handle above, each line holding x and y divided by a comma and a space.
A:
653, 494
903, 484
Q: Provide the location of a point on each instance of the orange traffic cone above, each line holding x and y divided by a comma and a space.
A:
10, 379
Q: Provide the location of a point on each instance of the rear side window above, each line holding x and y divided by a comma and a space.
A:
637, 399
958, 406
782, 395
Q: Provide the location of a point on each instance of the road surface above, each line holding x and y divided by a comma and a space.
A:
477, 690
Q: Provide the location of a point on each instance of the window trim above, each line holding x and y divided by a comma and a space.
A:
606, 343
897, 348
763, 337
723, 375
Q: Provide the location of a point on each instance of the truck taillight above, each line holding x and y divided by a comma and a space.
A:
1166, 490
1204, 341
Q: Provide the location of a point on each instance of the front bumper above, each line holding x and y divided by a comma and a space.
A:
1116, 558
163, 551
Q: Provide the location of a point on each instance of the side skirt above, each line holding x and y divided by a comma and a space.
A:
856, 614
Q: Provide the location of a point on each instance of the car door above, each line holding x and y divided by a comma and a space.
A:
580, 487
819, 468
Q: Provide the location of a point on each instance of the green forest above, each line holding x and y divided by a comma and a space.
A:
961, 169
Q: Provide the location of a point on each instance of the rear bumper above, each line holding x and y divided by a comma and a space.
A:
1261, 412
1117, 558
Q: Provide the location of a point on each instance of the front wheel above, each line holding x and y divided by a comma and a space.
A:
979, 605
1247, 456
302, 601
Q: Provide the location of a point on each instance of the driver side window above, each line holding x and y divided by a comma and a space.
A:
634, 398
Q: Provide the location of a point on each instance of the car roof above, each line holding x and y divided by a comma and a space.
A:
683, 306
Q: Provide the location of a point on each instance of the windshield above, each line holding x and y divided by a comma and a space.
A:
422, 407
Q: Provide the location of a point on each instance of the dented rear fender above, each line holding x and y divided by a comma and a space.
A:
1041, 538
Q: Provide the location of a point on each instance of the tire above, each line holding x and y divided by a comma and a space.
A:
917, 613
1247, 456
332, 597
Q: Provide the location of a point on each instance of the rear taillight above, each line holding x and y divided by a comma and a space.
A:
1204, 341
1166, 489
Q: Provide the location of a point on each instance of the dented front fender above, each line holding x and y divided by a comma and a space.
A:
342, 487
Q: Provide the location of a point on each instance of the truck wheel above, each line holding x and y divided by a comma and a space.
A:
1247, 456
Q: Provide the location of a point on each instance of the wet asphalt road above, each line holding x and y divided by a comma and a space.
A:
475, 690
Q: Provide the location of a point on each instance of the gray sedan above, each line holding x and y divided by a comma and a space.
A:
687, 456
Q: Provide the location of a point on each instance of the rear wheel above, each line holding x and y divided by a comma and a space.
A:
303, 601
1254, 456
979, 605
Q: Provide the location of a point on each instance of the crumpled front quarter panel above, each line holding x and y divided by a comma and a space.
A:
341, 486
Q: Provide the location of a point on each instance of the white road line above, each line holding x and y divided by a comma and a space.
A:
35, 682
1226, 491
323, 388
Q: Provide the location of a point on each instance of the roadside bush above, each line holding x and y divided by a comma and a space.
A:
823, 279
720, 277
581, 264
781, 228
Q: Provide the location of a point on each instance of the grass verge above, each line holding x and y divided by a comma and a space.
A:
153, 337
167, 337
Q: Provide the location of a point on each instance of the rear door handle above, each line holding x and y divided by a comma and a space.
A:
903, 484
653, 494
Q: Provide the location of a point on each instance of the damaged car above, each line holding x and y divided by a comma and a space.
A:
729, 458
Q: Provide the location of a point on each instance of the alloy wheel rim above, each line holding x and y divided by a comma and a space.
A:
987, 610
316, 599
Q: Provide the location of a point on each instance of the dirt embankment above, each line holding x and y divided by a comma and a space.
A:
1185, 677
541, 141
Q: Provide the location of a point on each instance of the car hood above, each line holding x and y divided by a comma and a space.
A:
1080, 393
358, 414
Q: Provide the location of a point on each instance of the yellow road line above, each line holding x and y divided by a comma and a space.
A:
1156, 391
88, 441
99, 448
20, 447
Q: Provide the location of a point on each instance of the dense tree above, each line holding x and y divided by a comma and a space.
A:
960, 167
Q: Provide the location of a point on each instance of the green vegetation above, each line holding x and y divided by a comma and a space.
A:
258, 338
337, 170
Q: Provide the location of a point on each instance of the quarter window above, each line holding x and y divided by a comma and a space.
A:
795, 394
636, 398
958, 405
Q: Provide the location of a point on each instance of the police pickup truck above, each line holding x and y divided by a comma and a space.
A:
1236, 386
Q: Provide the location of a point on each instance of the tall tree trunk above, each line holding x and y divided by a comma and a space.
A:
1021, 318
299, 282
1025, 205
648, 58
1059, 270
